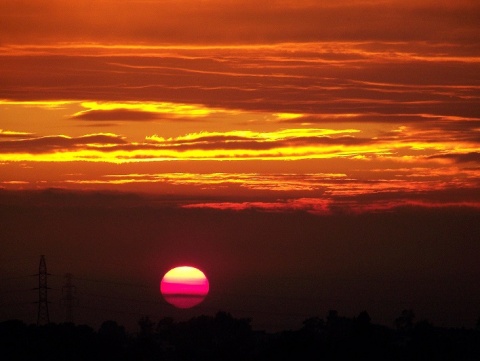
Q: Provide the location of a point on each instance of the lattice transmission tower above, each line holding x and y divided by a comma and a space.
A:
69, 298
43, 317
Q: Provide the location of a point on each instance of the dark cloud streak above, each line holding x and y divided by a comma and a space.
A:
217, 21
473, 157
57, 143
117, 114
418, 80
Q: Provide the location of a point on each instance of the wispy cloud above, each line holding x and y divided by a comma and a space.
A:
472, 157
132, 111
284, 144
14, 134
54, 144
216, 21
375, 81
117, 114
403, 145
387, 187
385, 93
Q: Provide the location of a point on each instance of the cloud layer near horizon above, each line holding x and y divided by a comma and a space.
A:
279, 92
247, 21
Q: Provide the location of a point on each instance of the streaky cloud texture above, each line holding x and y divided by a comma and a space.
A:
221, 21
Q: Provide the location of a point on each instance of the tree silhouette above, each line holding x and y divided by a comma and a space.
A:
146, 327
224, 337
404, 322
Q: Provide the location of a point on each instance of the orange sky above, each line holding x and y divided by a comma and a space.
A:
362, 104
305, 154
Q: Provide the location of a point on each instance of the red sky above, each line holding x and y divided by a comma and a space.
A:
295, 107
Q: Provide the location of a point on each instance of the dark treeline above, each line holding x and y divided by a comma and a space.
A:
223, 337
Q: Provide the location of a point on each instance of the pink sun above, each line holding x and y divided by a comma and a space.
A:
184, 287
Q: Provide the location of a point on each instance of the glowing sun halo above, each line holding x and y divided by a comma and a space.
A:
184, 287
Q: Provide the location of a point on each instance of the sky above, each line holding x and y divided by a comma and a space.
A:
272, 135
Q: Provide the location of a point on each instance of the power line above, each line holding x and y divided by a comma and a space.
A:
5, 279
114, 282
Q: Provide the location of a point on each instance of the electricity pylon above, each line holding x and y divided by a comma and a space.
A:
43, 317
69, 298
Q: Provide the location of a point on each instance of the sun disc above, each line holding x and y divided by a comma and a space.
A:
184, 287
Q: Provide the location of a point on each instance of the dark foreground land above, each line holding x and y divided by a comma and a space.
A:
223, 337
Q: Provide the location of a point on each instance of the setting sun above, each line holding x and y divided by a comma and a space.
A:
184, 287
307, 155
